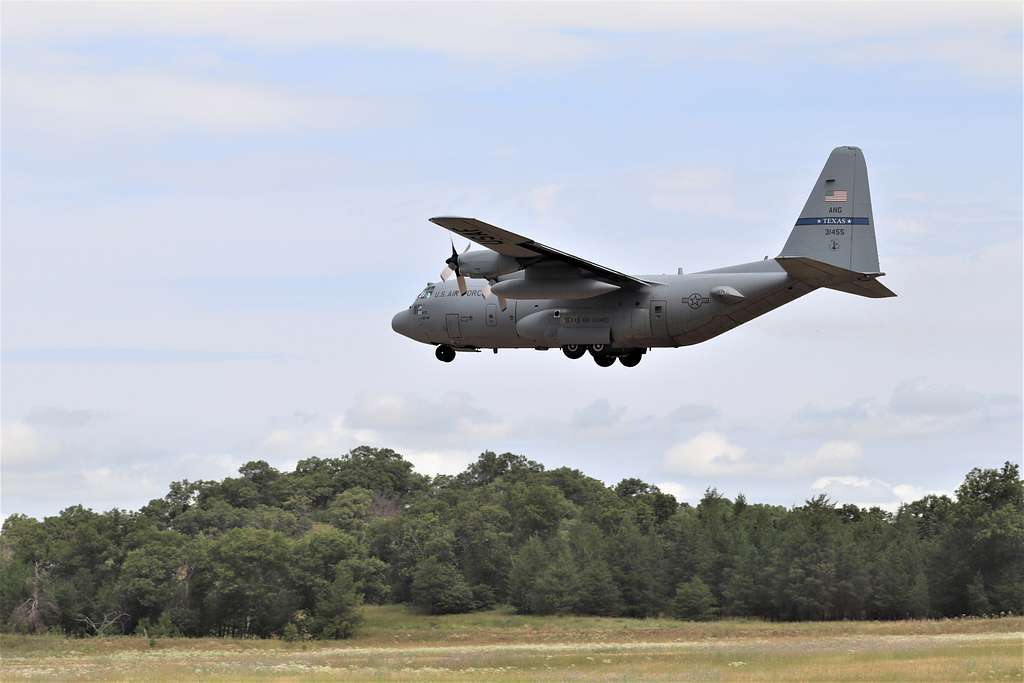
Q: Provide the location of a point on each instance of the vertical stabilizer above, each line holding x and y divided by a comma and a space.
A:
836, 225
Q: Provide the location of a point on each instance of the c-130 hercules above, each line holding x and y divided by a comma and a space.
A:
540, 297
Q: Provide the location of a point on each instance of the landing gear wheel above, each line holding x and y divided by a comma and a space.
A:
574, 351
604, 360
445, 353
598, 350
631, 359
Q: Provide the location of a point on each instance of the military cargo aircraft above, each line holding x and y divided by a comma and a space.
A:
535, 296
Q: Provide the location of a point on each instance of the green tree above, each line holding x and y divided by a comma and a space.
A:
149, 578
336, 609
977, 597
250, 592
694, 601
439, 588
596, 590
536, 508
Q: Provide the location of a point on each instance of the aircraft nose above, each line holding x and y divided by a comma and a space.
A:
402, 323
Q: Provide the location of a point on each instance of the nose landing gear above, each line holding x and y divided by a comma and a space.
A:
445, 353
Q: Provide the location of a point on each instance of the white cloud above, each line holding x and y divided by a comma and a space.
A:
60, 418
916, 396
112, 484
915, 408
405, 417
597, 414
869, 492
831, 456
203, 465
125, 102
711, 453
126, 484
433, 431
439, 462
19, 444
908, 493
708, 453
676, 489
316, 440
337, 439
969, 38
466, 31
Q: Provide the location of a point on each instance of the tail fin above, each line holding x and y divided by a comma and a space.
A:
836, 225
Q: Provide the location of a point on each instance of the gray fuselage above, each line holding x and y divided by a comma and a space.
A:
679, 310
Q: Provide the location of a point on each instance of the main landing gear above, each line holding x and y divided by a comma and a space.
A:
603, 355
574, 351
631, 358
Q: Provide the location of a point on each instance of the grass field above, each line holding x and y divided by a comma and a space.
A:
395, 644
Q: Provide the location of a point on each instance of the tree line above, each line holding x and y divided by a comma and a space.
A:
295, 554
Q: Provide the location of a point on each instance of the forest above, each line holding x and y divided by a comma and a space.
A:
295, 554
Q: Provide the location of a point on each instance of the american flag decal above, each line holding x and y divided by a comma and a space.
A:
835, 196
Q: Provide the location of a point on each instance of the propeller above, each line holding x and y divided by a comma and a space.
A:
452, 266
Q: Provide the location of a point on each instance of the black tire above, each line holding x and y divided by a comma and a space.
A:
574, 351
631, 359
604, 360
445, 353
598, 349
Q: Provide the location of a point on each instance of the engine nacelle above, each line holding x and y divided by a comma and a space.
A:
487, 264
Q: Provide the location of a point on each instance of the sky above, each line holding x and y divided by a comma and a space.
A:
211, 212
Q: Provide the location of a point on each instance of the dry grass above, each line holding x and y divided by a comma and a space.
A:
395, 644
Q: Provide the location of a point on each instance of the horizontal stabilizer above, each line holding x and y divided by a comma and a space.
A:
821, 274
870, 288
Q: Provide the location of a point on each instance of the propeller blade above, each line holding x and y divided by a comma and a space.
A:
451, 263
452, 266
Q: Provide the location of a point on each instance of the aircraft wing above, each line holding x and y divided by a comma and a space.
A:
517, 246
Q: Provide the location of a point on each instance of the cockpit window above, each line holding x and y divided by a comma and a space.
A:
427, 292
